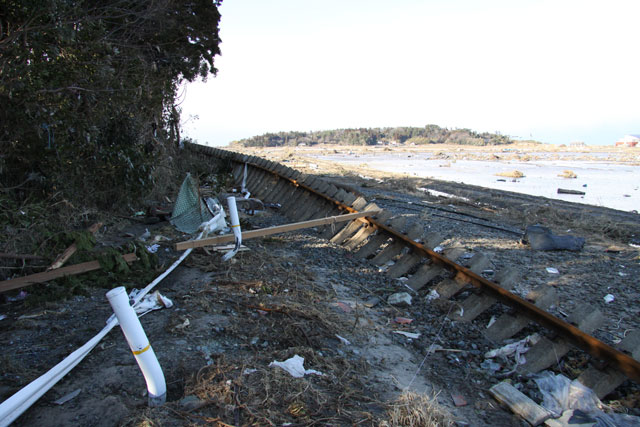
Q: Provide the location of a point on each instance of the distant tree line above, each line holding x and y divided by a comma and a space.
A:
430, 134
88, 89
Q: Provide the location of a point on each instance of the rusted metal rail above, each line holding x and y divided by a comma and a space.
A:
593, 346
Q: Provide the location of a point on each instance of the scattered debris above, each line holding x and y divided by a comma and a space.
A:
566, 191
608, 298
411, 335
458, 399
402, 320
560, 393
432, 295
67, 397
400, 298
552, 270
153, 248
295, 367
519, 404
542, 239
343, 340
516, 349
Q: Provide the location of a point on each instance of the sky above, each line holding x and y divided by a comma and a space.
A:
556, 71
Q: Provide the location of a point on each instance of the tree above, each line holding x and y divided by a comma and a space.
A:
88, 88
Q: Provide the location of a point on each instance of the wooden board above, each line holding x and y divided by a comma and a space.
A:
519, 404
272, 230
84, 267
71, 249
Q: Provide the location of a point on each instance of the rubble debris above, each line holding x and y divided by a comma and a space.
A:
542, 239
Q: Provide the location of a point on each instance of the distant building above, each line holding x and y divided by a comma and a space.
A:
628, 141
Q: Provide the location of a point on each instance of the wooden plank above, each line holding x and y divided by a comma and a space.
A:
394, 249
508, 325
374, 243
272, 230
353, 227
428, 272
604, 381
546, 353
84, 267
519, 404
449, 287
64, 257
475, 304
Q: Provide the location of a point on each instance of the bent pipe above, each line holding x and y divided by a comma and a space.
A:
139, 344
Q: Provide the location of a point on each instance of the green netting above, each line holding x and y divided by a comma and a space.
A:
189, 211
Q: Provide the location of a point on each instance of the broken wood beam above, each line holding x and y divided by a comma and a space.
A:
71, 249
273, 230
71, 270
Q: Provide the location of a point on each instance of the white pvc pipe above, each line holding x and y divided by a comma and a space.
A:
22, 400
139, 344
235, 226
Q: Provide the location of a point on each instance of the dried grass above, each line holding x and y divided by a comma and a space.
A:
413, 409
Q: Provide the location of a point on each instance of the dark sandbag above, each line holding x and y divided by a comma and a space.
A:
542, 239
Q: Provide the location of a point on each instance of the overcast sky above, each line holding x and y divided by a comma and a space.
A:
556, 71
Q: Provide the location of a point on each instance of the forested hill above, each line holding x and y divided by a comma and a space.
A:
430, 134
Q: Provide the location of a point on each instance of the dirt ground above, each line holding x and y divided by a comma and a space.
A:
298, 294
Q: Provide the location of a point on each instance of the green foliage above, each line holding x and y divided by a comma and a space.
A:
87, 90
430, 134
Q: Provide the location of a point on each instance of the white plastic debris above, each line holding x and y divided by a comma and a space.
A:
411, 335
3, 316
343, 340
295, 367
516, 349
67, 397
552, 270
432, 295
560, 393
438, 249
491, 321
400, 298
608, 298
144, 236
153, 248
235, 226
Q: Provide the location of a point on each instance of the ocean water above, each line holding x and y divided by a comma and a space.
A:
605, 184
